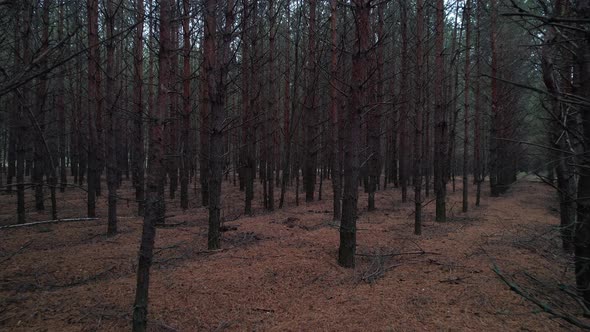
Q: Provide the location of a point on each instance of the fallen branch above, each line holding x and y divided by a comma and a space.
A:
399, 254
48, 222
454, 280
514, 287
28, 243
84, 280
170, 225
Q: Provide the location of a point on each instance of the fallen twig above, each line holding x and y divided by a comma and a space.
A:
48, 222
28, 243
85, 280
399, 254
514, 287
454, 280
163, 225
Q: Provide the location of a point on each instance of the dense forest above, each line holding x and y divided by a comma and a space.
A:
276, 128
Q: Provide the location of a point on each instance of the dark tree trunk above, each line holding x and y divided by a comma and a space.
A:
466, 94
186, 106
418, 134
334, 115
93, 106
582, 231
440, 119
111, 138
346, 252
404, 111
154, 194
139, 158
310, 115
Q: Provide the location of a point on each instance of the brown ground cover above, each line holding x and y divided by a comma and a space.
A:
278, 271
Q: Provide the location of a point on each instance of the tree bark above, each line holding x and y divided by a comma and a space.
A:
440, 118
155, 184
418, 134
311, 116
467, 19
347, 249
111, 139
139, 159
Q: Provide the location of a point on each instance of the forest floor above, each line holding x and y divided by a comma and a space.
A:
278, 271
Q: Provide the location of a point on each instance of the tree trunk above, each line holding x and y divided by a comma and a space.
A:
440, 118
111, 139
467, 19
186, 105
154, 194
310, 115
347, 249
336, 170
93, 105
404, 111
139, 159
418, 153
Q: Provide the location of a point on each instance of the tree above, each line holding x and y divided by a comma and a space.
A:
440, 118
139, 155
310, 115
156, 165
418, 125
466, 96
111, 97
347, 249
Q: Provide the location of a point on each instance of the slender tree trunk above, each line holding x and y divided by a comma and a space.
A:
466, 95
111, 95
404, 111
286, 110
311, 116
374, 117
154, 194
22, 125
582, 231
477, 171
186, 105
60, 109
347, 249
249, 135
494, 153
336, 171
418, 153
93, 105
440, 119
139, 159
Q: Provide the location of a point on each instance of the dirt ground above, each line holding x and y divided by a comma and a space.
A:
278, 271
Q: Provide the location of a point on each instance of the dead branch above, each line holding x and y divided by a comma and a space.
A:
84, 280
28, 243
422, 252
514, 287
48, 222
163, 225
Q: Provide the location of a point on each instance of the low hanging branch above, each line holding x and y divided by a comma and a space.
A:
48, 222
514, 287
